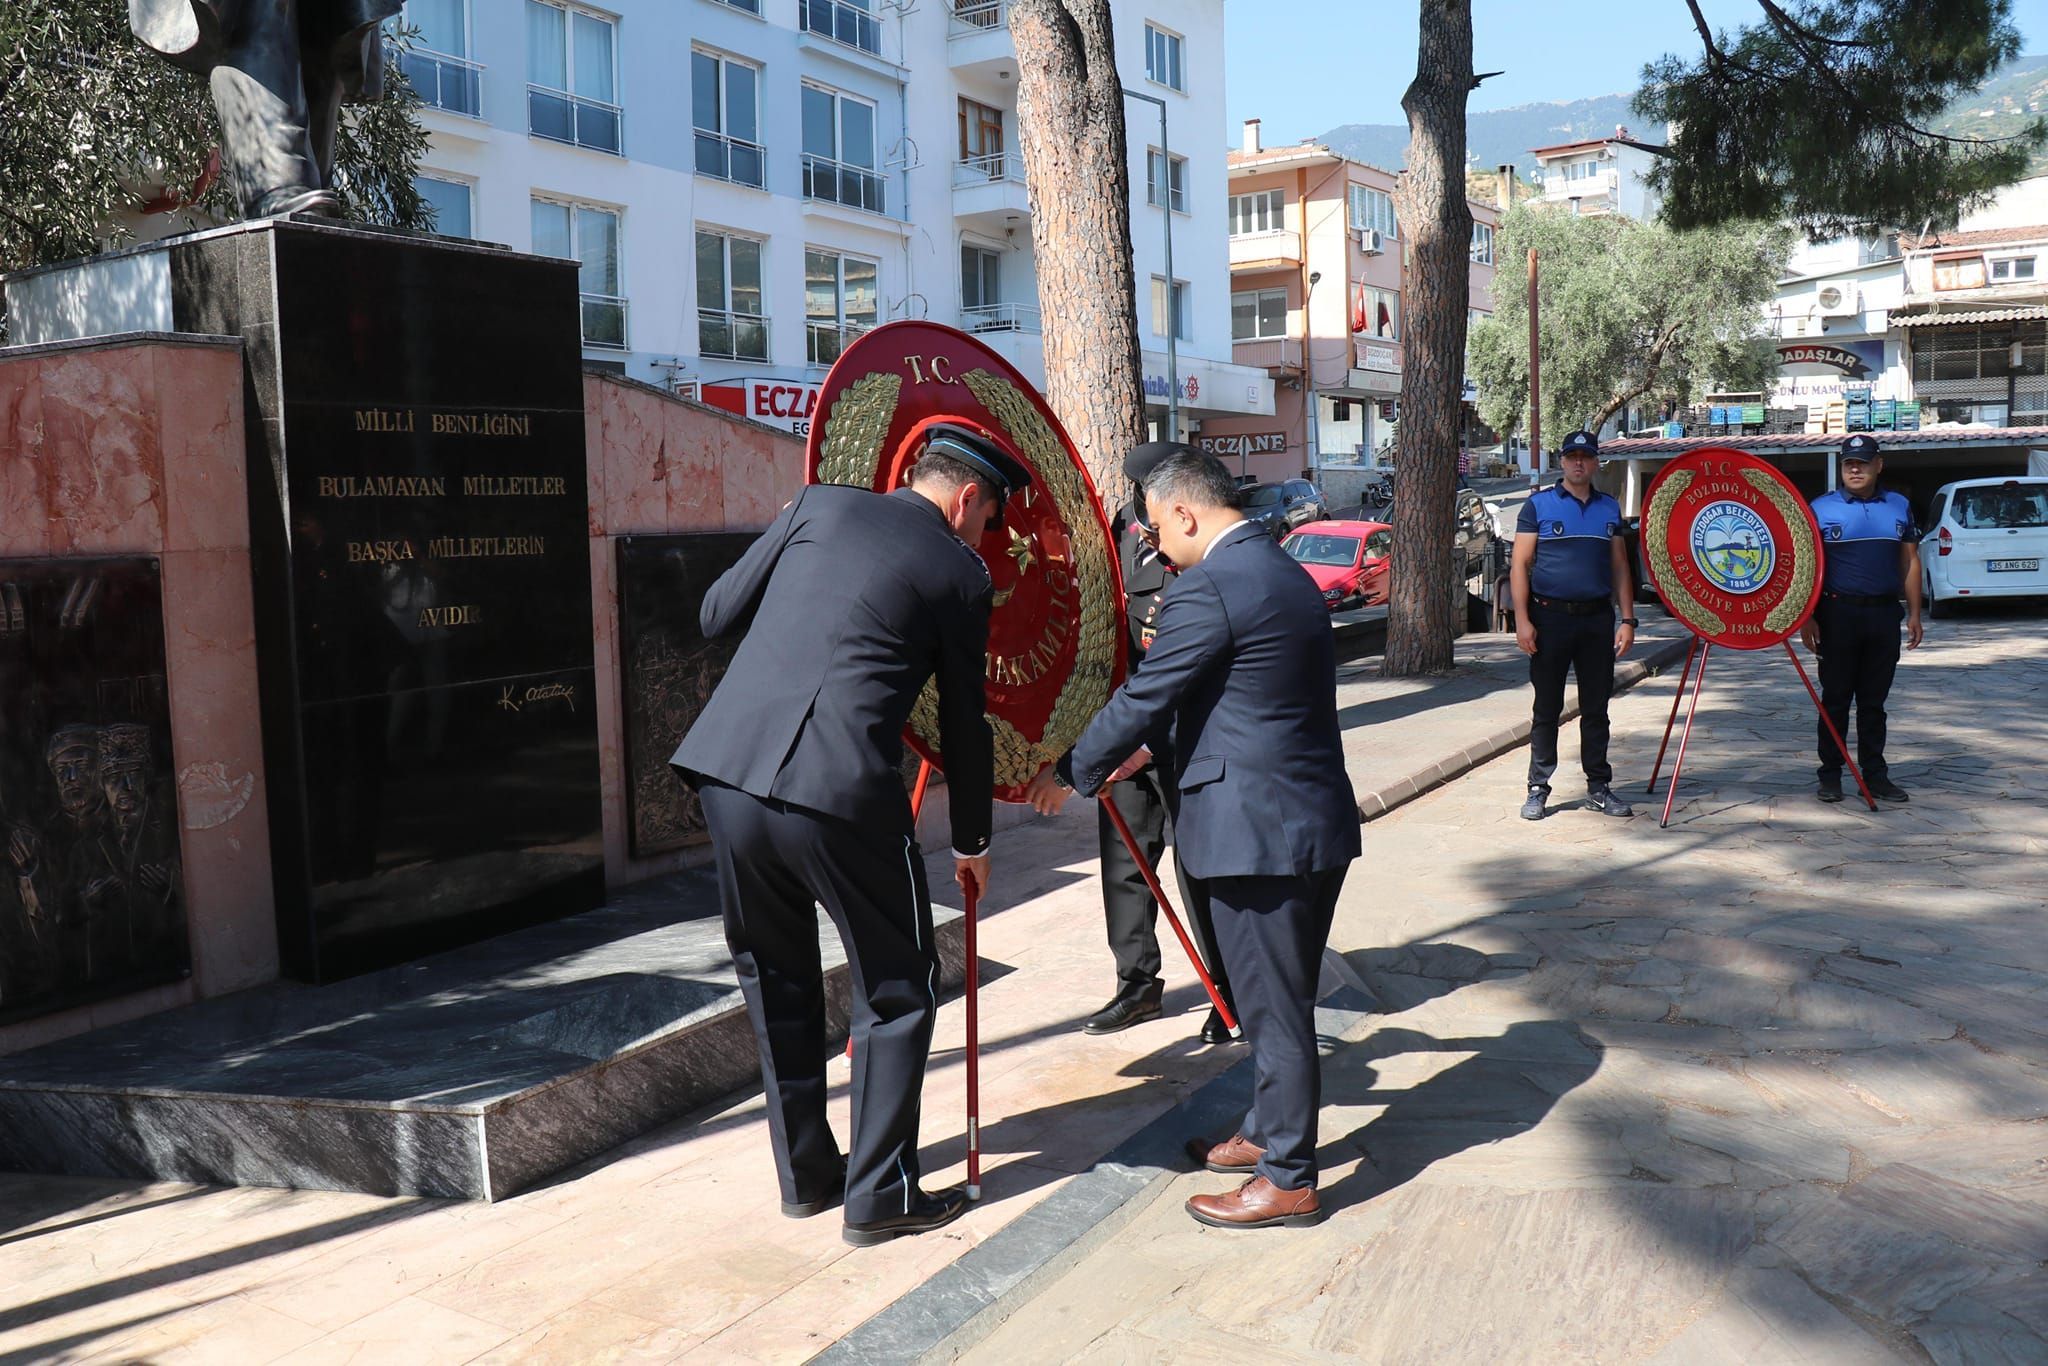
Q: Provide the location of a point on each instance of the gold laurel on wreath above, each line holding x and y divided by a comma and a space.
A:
1656, 538
1804, 564
855, 429
1018, 757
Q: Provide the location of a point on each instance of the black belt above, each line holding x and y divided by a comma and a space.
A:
1575, 607
1864, 599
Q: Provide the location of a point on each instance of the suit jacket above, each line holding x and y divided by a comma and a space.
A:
198, 34
851, 602
1244, 667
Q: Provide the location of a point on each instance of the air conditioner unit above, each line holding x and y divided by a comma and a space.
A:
1371, 242
1835, 301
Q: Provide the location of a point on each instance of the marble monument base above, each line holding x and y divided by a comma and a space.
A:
472, 1074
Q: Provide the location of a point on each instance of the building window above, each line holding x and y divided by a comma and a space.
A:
1261, 212
841, 301
2012, 268
844, 21
451, 204
749, 6
1374, 209
1258, 315
590, 236
1482, 243
1376, 313
730, 321
1959, 272
981, 291
1163, 58
1174, 174
572, 80
981, 139
1180, 308
839, 150
438, 64
725, 104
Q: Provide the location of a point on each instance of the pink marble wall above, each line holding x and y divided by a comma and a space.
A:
662, 465
135, 448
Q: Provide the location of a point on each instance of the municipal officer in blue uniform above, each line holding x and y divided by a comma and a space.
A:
1871, 549
1570, 566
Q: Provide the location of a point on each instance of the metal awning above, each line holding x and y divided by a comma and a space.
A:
2020, 314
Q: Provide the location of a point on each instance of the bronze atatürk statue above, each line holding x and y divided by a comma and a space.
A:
279, 71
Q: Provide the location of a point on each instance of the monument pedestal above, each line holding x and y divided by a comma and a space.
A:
419, 548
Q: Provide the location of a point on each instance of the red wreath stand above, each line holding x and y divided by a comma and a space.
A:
1728, 540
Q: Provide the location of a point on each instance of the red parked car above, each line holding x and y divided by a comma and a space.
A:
1348, 560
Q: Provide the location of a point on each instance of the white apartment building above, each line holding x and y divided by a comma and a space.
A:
1832, 319
1599, 176
749, 184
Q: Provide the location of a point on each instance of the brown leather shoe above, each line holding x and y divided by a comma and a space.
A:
1258, 1203
1233, 1156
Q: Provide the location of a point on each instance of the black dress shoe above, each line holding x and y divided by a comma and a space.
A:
1214, 1031
1885, 790
1830, 789
832, 1198
1132, 1005
927, 1212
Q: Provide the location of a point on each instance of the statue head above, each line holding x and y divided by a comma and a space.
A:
73, 757
124, 767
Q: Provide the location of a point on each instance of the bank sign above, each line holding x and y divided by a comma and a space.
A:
1817, 371
784, 403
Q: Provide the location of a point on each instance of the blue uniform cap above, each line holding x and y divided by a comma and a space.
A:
1860, 447
1580, 443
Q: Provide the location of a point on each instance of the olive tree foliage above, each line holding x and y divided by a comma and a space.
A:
1629, 314
1822, 114
93, 125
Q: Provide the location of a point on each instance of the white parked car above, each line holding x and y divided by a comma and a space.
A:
1986, 538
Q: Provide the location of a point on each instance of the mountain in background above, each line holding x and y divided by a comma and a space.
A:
2003, 104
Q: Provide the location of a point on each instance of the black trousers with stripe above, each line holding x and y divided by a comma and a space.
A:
776, 864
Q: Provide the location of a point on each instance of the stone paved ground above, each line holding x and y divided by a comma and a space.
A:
1768, 1086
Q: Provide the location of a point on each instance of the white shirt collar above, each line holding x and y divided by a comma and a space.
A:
1221, 536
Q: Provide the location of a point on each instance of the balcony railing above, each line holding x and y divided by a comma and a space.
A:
980, 170
1000, 318
824, 341
445, 82
857, 187
561, 117
840, 22
604, 321
734, 159
979, 16
732, 336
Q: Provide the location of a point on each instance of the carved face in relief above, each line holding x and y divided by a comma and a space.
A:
73, 757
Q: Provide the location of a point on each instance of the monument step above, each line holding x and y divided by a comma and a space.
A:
472, 1074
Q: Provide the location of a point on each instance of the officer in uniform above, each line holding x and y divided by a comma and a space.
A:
851, 601
1148, 800
1570, 566
1871, 554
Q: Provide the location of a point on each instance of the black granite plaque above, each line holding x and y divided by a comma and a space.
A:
420, 533
667, 670
92, 899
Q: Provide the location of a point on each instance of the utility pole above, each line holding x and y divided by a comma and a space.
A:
1172, 313
1535, 387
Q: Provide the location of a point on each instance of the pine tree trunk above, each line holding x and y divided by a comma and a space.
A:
1070, 123
1436, 228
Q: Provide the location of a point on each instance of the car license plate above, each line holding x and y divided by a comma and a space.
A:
2012, 566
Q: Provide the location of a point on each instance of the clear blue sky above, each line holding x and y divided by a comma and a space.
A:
1306, 66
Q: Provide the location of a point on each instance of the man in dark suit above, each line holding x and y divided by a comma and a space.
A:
1148, 799
1244, 668
851, 601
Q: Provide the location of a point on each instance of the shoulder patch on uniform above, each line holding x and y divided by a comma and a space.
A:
1833, 531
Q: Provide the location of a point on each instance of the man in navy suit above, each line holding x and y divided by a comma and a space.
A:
851, 601
1243, 675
